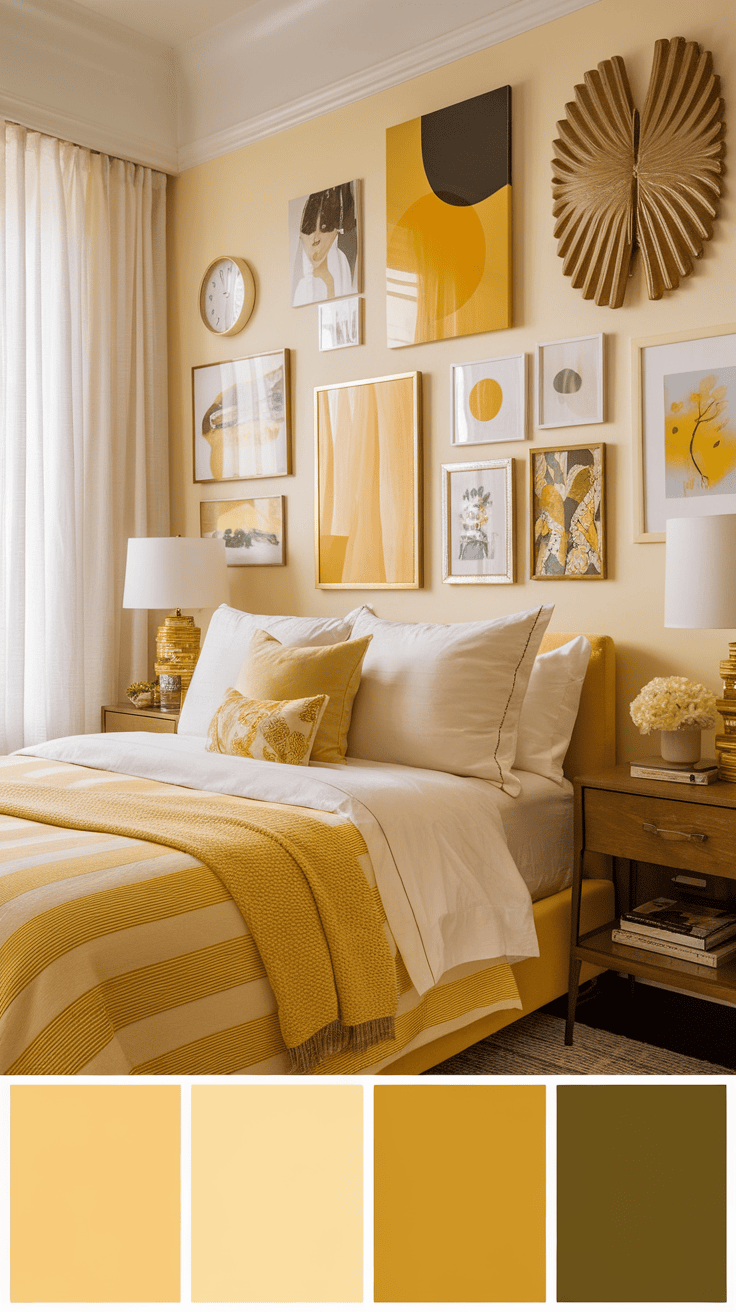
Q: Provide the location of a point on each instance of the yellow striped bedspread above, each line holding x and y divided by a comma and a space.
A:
120, 956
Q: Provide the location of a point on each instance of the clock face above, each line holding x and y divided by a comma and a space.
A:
225, 301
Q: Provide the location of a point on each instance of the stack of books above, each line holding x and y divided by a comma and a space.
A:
691, 931
674, 772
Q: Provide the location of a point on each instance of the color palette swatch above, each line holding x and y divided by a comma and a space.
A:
94, 1198
277, 1193
641, 1193
459, 1193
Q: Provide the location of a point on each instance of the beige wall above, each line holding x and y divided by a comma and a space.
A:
238, 205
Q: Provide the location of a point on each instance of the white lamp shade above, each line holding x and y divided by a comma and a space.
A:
700, 573
175, 573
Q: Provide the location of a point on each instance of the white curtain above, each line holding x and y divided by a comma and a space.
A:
83, 426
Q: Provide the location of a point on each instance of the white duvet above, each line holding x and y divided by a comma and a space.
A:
450, 889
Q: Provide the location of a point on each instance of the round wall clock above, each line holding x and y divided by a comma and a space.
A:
227, 296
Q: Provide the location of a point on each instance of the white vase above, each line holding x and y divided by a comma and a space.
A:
681, 745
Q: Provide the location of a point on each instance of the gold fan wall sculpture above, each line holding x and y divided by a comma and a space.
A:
621, 182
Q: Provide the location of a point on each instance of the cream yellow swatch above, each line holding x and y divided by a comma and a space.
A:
94, 1193
277, 1193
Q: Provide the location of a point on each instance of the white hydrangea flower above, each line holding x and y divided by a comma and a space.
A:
674, 703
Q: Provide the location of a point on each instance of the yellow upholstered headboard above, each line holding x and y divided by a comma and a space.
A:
593, 743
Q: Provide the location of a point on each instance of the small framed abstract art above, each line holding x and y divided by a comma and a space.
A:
489, 401
368, 481
570, 382
252, 529
242, 418
340, 323
567, 512
478, 522
685, 427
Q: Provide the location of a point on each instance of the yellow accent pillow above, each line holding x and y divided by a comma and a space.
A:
266, 731
272, 670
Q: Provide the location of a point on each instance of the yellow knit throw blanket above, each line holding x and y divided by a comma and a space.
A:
298, 884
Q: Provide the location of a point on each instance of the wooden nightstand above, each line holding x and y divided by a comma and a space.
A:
685, 826
127, 718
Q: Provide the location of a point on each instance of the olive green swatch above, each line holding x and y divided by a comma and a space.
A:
641, 1193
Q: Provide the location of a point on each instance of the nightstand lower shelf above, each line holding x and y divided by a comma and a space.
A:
713, 981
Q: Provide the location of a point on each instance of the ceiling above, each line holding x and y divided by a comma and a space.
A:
172, 21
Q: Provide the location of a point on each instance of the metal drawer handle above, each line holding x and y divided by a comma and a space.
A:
674, 835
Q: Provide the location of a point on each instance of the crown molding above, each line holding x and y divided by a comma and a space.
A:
92, 135
517, 17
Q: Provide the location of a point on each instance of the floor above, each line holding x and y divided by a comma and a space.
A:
693, 1026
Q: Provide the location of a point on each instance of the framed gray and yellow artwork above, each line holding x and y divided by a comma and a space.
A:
242, 420
252, 529
324, 244
567, 512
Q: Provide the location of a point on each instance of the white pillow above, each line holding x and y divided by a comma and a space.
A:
445, 696
550, 708
225, 647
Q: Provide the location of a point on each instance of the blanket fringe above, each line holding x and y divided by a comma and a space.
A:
337, 1037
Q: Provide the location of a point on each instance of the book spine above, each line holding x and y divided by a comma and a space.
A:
667, 949
673, 776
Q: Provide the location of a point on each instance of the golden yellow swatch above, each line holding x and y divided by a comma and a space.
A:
277, 1193
94, 1193
459, 1193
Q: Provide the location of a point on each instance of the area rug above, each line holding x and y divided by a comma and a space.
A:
535, 1046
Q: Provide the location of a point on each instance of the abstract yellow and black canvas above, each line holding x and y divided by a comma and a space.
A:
448, 213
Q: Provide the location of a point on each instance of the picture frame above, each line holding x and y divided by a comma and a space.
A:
325, 244
340, 323
570, 382
241, 417
489, 401
683, 466
478, 522
368, 510
567, 518
251, 527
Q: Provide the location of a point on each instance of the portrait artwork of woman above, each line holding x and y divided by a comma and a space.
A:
324, 232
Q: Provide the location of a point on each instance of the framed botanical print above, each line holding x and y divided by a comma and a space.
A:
567, 511
489, 401
685, 427
368, 480
570, 382
252, 529
242, 418
478, 522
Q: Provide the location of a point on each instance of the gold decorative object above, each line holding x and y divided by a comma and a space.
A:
177, 649
140, 694
622, 182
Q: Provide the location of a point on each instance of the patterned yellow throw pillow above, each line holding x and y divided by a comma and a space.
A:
266, 731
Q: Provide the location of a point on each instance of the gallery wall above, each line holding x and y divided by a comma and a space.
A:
238, 205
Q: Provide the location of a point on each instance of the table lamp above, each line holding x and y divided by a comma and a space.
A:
166, 574
700, 593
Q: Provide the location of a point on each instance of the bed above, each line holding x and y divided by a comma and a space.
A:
126, 954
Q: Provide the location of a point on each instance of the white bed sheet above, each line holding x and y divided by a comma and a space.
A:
450, 888
538, 827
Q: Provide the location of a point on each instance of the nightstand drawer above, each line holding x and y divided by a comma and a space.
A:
661, 831
135, 721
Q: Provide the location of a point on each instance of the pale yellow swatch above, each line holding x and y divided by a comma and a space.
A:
277, 1193
94, 1193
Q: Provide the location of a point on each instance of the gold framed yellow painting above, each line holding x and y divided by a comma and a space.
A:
448, 221
685, 427
252, 529
567, 512
242, 418
368, 481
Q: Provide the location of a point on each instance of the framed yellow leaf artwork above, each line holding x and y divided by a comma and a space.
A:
685, 426
567, 503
